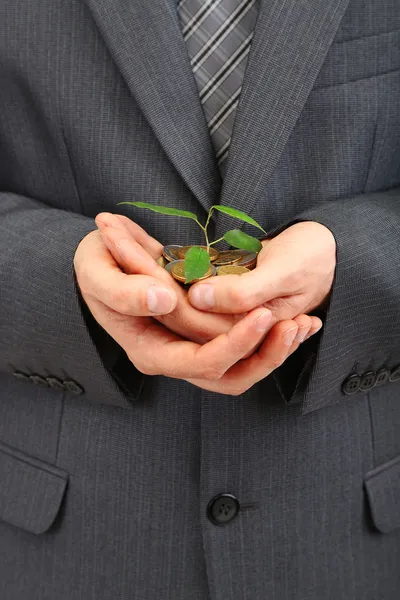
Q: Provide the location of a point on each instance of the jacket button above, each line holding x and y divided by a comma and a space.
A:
55, 383
38, 380
395, 374
382, 377
351, 385
368, 381
20, 375
222, 509
73, 387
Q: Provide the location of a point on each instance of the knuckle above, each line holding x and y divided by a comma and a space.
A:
121, 300
276, 362
84, 278
235, 390
279, 305
294, 280
239, 346
239, 298
146, 369
212, 373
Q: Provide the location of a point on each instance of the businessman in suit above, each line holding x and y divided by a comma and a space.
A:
217, 444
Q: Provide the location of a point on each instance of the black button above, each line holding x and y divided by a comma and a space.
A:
22, 376
382, 377
367, 381
73, 387
38, 380
222, 509
395, 374
351, 385
55, 383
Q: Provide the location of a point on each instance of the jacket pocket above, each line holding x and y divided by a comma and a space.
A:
31, 490
382, 486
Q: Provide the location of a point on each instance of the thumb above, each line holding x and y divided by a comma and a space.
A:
237, 293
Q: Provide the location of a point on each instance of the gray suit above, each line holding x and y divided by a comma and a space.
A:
106, 475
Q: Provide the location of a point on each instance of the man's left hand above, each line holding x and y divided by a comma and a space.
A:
294, 275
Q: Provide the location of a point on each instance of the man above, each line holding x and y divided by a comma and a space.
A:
156, 444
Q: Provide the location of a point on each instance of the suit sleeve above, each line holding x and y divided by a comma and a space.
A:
361, 332
45, 326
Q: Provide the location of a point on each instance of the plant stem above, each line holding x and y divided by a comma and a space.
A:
216, 241
207, 242
204, 229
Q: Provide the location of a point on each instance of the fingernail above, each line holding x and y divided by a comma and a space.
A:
289, 336
301, 334
263, 321
159, 300
203, 297
100, 225
314, 332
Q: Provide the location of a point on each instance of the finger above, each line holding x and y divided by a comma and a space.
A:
304, 323
158, 355
150, 244
307, 326
301, 337
282, 341
270, 355
236, 293
317, 324
136, 295
130, 255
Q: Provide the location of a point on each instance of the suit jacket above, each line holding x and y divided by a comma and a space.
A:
106, 475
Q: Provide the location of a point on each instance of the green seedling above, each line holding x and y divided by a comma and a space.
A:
197, 260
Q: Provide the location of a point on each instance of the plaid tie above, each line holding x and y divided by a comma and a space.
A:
218, 36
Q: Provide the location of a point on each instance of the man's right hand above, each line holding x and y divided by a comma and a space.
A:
124, 305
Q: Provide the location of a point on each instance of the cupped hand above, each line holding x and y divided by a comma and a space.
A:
294, 274
136, 252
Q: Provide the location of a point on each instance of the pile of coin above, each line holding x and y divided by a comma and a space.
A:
226, 262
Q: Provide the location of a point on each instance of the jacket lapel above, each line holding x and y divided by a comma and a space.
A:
146, 42
291, 40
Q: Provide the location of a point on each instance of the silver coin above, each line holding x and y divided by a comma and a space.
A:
249, 259
171, 252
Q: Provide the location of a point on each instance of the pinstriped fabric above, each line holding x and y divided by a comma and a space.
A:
218, 36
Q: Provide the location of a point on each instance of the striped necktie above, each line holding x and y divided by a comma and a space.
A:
218, 36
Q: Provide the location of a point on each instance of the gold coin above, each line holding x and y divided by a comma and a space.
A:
213, 253
177, 270
170, 253
232, 270
162, 261
229, 257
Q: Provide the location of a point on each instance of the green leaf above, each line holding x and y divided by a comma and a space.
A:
164, 210
237, 214
197, 261
239, 239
